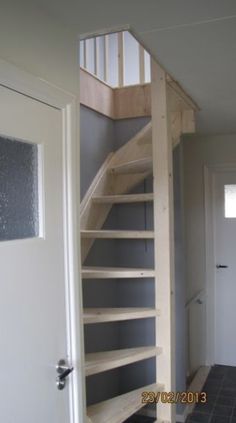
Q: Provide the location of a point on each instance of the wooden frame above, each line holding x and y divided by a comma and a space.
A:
164, 236
17, 80
209, 171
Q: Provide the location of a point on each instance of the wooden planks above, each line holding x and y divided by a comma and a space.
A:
102, 361
141, 165
115, 273
126, 198
118, 409
113, 234
99, 315
132, 101
96, 94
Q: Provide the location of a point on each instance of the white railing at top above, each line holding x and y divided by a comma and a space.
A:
117, 59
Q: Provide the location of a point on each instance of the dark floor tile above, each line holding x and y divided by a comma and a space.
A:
225, 400
220, 419
204, 408
198, 418
221, 410
227, 392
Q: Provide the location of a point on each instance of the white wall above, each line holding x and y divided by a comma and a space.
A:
35, 42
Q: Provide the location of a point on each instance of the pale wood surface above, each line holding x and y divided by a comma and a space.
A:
98, 315
133, 101
164, 235
121, 58
96, 94
134, 166
103, 361
126, 198
106, 234
118, 409
115, 272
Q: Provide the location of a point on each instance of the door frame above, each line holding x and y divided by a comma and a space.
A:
29, 85
209, 171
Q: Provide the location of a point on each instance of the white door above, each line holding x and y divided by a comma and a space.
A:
32, 262
225, 272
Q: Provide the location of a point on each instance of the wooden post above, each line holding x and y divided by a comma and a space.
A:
141, 65
121, 58
164, 237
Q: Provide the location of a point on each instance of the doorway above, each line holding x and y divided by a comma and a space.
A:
220, 183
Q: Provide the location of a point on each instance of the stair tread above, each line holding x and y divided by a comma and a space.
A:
125, 234
115, 272
118, 409
98, 315
123, 198
134, 166
107, 360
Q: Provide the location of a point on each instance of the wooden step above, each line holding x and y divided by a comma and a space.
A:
107, 360
107, 234
118, 409
99, 315
116, 272
125, 198
135, 166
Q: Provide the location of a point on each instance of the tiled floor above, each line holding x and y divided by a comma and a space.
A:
220, 387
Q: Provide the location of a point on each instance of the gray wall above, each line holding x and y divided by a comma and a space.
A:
97, 135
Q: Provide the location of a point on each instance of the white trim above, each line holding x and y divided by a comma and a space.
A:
209, 171
22, 82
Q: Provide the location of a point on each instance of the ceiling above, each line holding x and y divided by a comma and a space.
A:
195, 40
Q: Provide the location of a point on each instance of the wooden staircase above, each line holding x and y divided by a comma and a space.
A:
120, 173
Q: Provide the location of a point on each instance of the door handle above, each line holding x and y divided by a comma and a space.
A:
63, 371
221, 266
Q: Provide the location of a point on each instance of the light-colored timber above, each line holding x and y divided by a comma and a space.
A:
115, 272
126, 198
118, 409
99, 315
110, 234
142, 165
107, 360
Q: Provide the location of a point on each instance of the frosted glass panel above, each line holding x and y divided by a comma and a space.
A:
131, 59
230, 200
19, 210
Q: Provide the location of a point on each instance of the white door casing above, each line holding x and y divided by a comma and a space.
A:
220, 250
40, 291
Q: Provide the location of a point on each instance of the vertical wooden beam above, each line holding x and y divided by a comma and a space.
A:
164, 236
141, 65
106, 58
121, 59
